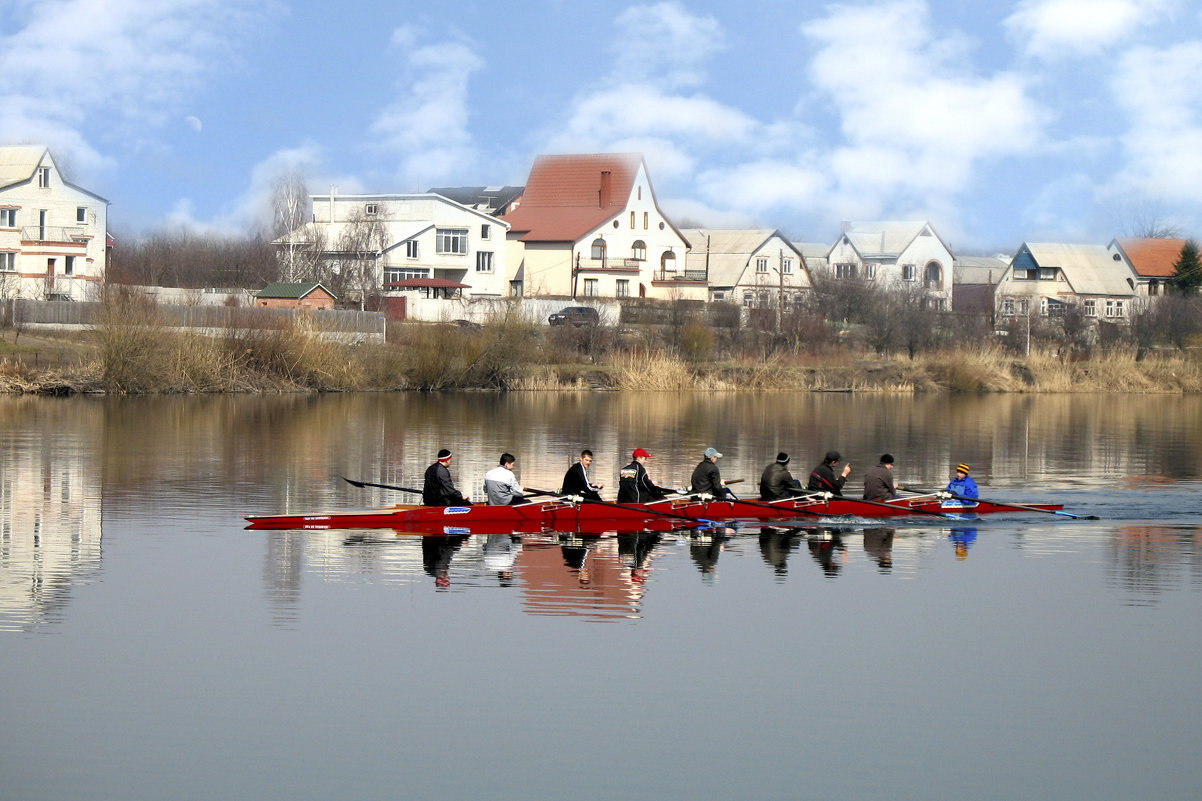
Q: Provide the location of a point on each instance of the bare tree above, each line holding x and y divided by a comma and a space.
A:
1143, 218
291, 211
362, 244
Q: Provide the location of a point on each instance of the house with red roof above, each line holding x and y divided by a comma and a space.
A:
53, 234
589, 226
1151, 262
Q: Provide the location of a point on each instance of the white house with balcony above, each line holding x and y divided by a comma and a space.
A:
589, 226
895, 254
754, 267
1045, 278
53, 234
410, 243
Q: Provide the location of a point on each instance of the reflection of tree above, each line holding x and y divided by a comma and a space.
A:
1150, 560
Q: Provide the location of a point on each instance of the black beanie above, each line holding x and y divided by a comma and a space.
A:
442, 454
782, 458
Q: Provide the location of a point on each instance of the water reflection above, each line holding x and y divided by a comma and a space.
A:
1149, 561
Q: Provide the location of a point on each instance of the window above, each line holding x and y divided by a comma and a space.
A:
598, 252
638, 250
1022, 307
411, 249
483, 261
1047, 273
371, 209
1091, 307
81, 215
934, 274
8, 218
1109, 307
764, 303
640, 193
393, 274
451, 240
43, 176
8, 261
786, 266
1043, 307
1008, 307
632, 220
590, 287
719, 296
845, 271
908, 272
870, 271
761, 265
667, 262
623, 288
1153, 288
646, 220
1118, 308
484, 231
69, 265
748, 299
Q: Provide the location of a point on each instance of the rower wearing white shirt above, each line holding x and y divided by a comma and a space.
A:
501, 485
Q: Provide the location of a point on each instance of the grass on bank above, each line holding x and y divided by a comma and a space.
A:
132, 352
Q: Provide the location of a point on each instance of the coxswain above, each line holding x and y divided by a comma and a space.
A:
576, 480
823, 478
437, 488
501, 485
634, 485
777, 482
962, 483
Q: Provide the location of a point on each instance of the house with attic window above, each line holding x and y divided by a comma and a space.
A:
53, 234
895, 254
754, 268
1152, 262
589, 226
1045, 278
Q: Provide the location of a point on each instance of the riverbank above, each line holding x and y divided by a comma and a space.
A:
519, 357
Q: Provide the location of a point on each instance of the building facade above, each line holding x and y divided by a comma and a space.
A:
53, 234
897, 255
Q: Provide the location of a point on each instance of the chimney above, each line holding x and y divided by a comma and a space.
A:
603, 197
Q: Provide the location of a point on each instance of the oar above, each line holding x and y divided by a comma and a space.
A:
909, 509
381, 486
768, 505
1020, 506
701, 520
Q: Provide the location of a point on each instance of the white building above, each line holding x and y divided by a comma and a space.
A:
421, 243
1044, 278
895, 254
756, 268
53, 234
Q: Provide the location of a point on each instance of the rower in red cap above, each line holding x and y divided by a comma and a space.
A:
634, 485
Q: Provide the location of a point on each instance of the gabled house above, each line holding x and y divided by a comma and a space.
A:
1151, 262
53, 234
402, 243
756, 268
589, 226
295, 295
1045, 278
899, 254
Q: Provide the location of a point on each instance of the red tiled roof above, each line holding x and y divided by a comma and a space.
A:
565, 198
1152, 257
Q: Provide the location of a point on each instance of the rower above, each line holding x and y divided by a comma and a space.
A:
823, 478
501, 485
437, 488
707, 479
634, 485
576, 480
962, 483
878, 481
777, 482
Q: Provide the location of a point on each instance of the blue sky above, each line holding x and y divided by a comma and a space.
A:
1038, 120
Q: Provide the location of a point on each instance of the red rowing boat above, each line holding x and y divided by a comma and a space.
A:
568, 515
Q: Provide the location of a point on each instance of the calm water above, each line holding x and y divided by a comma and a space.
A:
154, 649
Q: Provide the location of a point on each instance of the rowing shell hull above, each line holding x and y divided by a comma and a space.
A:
562, 515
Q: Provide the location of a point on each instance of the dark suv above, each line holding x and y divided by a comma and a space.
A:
578, 316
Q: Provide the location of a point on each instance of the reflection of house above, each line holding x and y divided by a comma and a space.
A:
588, 225
283, 295
1151, 262
752, 267
410, 242
1044, 278
897, 254
52, 233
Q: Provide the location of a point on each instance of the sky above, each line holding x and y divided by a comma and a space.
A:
1000, 122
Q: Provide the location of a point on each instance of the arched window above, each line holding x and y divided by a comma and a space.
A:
598, 249
667, 262
934, 274
638, 250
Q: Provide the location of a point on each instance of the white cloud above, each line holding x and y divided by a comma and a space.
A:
193, 122
1159, 89
761, 185
426, 126
1052, 29
69, 62
915, 120
664, 43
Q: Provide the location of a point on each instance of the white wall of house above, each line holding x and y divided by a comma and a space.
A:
775, 276
53, 237
924, 256
429, 236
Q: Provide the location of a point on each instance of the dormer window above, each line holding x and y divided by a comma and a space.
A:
371, 209
43, 176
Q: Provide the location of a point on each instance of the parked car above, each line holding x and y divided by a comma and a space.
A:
578, 316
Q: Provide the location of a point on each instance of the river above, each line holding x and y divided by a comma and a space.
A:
156, 649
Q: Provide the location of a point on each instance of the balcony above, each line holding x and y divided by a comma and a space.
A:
53, 233
691, 276
609, 265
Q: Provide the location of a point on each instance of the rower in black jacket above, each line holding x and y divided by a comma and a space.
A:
634, 485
